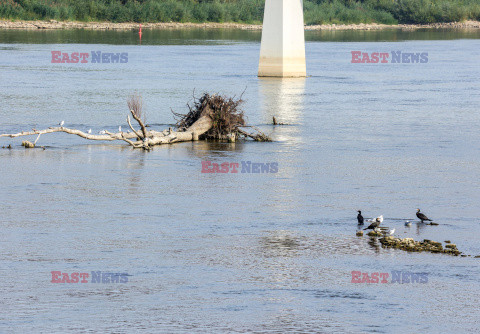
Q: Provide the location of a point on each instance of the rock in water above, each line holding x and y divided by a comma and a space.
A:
28, 144
410, 245
375, 234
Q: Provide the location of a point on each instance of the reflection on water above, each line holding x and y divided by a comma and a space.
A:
219, 36
282, 98
374, 243
392, 35
130, 37
135, 169
218, 151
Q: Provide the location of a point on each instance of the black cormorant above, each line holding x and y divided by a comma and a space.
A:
422, 217
360, 218
373, 225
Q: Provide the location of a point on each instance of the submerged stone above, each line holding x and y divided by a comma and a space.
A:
28, 144
410, 245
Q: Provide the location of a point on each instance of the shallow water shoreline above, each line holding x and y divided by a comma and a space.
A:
53, 24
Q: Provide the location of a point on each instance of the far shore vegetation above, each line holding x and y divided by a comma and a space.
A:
241, 11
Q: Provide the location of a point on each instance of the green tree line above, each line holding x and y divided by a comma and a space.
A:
244, 11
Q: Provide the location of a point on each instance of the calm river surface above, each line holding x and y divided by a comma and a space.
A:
263, 253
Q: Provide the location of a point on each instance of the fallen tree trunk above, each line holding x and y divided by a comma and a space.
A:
213, 117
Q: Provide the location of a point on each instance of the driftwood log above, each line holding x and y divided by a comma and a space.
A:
211, 117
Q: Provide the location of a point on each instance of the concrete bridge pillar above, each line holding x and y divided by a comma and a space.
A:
282, 53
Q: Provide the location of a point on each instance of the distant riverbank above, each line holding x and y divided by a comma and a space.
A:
53, 24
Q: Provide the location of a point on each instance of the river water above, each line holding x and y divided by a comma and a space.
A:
263, 253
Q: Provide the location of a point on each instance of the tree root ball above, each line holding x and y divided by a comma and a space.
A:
225, 113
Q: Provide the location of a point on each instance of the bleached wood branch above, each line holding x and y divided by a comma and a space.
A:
109, 136
131, 127
144, 129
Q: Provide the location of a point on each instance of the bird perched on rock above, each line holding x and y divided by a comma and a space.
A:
379, 218
360, 218
422, 217
391, 232
375, 224
408, 223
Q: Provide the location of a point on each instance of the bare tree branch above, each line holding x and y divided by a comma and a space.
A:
131, 127
135, 105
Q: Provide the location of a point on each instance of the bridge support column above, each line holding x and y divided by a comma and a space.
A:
282, 53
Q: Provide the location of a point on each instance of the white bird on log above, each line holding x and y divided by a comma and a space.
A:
379, 219
61, 123
102, 132
89, 131
120, 128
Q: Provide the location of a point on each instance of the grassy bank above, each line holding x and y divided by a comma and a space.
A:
243, 11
